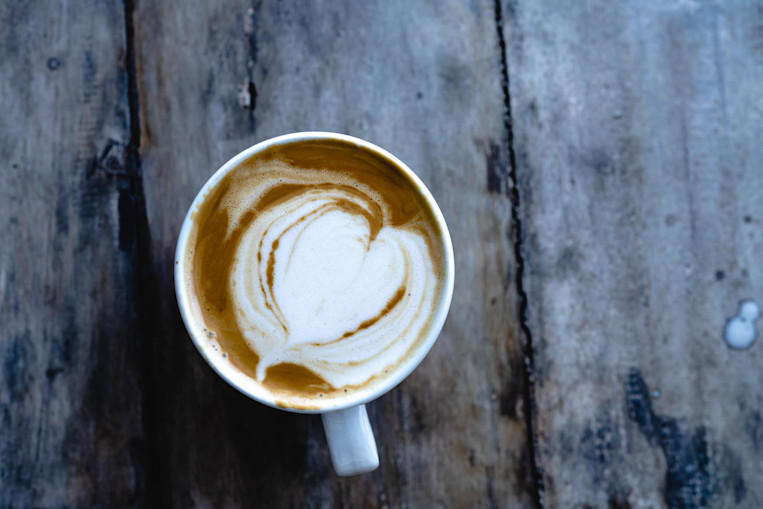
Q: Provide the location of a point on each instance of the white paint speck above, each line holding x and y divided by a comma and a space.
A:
740, 331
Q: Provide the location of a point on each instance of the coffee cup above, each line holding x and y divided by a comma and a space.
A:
314, 272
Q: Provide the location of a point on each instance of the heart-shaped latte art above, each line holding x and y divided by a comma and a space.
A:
321, 280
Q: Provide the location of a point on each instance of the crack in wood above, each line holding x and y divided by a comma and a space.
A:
516, 222
134, 213
249, 89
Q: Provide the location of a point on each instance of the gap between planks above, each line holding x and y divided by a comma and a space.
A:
510, 181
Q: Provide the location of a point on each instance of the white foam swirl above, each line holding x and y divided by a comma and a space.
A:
312, 286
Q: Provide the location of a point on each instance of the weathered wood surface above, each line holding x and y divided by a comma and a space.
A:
423, 81
634, 137
638, 133
70, 377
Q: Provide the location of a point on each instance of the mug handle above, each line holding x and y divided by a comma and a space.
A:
351, 441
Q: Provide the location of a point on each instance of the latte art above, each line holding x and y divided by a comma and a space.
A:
317, 271
319, 280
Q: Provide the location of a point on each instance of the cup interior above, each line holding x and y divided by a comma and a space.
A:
191, 313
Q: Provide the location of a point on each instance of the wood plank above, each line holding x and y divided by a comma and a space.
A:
637, 135
423, 81
70, 391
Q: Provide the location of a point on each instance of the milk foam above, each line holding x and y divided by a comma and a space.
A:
321, 280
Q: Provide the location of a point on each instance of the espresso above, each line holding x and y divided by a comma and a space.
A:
317, 267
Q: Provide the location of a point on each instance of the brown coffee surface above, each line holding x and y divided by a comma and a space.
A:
228, 210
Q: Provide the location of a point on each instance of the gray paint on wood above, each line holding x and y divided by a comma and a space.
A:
422, 81
637, 133
70, 397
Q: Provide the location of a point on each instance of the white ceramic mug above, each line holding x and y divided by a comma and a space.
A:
345, 420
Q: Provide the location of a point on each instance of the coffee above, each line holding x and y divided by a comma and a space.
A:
317, 267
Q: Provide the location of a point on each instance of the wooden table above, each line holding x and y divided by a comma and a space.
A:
601, 169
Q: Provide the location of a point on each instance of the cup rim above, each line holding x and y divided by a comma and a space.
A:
243, 383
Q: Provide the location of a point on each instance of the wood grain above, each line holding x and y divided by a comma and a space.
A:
71, 430
637, 133
619, 145
423, 81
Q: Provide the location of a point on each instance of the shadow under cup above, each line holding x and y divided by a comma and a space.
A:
332, 260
